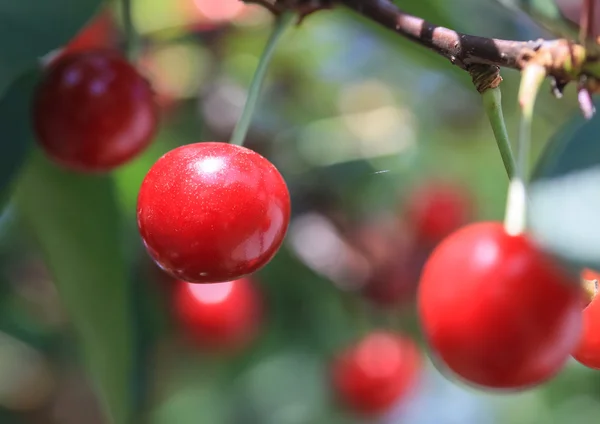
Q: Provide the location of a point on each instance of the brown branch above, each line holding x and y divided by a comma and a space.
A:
563, 60
461, 49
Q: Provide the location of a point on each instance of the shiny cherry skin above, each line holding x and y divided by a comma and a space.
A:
220, 316
93, 111
212, 212
496, 310
371, 376
436, 209
588, 351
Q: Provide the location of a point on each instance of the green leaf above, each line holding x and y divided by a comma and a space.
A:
15, 127
29, 29
77, 223
565, 194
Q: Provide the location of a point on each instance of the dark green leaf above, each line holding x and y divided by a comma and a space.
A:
15, 127
76, 221
29, 29
565, 194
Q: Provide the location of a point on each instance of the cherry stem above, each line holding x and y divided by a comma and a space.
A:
282, 22
492, 102
132, 41
516, 206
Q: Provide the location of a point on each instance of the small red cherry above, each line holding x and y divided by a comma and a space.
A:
93, 111
436, 209
496, 310
212, 212
221, 316
588, 350
372, 375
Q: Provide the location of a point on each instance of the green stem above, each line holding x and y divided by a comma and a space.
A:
492, 101
241, 129
516, 207
132, 41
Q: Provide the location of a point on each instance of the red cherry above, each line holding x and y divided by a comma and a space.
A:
211, 212
437, 209
372, 375
496, 310
588, 350
222, 316
101, 32
93, 111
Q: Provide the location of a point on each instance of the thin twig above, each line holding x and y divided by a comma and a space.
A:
563, 60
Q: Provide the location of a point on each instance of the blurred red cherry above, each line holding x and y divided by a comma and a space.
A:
93, 111
436, 209
372, 375
220, 316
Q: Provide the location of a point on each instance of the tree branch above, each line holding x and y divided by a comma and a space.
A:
461, 49
563, 60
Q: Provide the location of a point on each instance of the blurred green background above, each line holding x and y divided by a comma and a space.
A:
356, 119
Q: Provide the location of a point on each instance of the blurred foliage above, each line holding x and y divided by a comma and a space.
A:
355, 118
29, 19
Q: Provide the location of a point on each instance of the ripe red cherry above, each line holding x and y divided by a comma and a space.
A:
221, 316
372, 375
93, 111
211, 212
496, 310
436, 209
588, 350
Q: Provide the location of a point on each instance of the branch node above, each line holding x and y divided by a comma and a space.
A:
485, 76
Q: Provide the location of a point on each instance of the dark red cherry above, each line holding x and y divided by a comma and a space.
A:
93, 111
